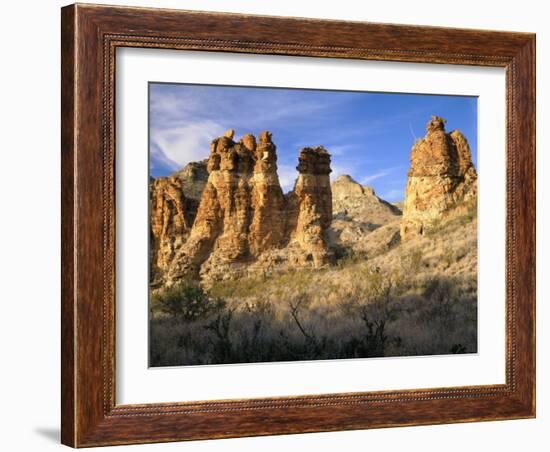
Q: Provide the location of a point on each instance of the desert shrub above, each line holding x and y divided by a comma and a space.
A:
411, 262
260, 307
462, 216
441, 319
185, 301
345, 256
220, 326
295, 281
440, 293
312, 345
372, 336
471, 211
448, 256
461, 220
340, 251
373, 303
359, 311
241, 288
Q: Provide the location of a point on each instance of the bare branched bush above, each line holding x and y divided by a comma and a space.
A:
221, 348
372, 303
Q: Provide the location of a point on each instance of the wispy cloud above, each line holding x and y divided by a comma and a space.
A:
341, 149
166, 103
368, 134
371, 177
341, 169
368, 178
184, 119
186, 143
246, 105
393, 195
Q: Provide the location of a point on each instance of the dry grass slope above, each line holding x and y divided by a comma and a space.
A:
418, 297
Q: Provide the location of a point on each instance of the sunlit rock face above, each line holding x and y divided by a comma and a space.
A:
310, 205
173, 204
356, 212
441, 177
350, 199
268, 222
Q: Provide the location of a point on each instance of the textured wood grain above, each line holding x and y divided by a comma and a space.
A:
90, 36
68, 388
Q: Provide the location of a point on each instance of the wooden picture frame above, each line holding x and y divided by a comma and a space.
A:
90, 36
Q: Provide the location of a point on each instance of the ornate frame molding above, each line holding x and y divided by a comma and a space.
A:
90, 36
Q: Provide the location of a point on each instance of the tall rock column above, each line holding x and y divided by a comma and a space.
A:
441, 176
311, 204
233, 191
267, 229
170, 223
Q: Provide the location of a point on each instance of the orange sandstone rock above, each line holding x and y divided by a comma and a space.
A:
440, 178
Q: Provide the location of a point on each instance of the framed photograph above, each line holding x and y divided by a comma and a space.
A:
281, 225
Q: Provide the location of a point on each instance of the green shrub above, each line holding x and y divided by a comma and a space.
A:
185, 301
346, 256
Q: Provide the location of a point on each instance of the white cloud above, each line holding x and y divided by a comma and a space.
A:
187, 143
171, 104
339, 170
393, 195
372, 177
248, 106
184, 120
342, 149
287, 176
379, 174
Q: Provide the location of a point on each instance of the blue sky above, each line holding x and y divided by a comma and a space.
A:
369, 135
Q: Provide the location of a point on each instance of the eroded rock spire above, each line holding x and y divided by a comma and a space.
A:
310, 204
441, 176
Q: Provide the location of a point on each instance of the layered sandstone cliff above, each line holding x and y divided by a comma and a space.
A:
440, 179
173, 204
243, 217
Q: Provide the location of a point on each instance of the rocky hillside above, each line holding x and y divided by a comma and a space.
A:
353, 200
174, 201
357, 212
227, 217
